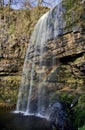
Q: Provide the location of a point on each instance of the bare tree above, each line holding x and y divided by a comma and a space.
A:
26, 4
29, 3
1, 2
9, 2
33, 3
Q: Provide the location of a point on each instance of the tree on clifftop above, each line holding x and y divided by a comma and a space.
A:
1, 2
28, 3
33, 3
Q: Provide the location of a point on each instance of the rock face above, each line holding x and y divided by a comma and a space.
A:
65, 80
10, 51
12, 55
66, 76
15, 30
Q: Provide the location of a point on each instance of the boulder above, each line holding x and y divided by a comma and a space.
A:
59, 116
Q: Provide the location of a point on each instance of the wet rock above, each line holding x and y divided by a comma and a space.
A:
59, 117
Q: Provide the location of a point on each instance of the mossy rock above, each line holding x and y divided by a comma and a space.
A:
80, 111
74, 15
65, 97
9, 89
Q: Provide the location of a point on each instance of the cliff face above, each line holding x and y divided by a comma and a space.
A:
12, 53
15, 30
65, 80
68, 50
68, 72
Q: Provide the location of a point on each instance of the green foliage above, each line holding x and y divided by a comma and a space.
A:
64, 97
80, 112
67, 98
69, 3
82, 128
9, 90
74, 14
78, 116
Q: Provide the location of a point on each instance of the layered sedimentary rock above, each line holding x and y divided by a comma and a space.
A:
67, 74
15, 30
12, 53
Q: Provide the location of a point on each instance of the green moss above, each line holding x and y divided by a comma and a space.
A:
64, 97
9, 88
80, 112
68, 3
81, 102
74, 12
12, 29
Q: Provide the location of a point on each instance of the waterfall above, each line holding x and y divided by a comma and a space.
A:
33, 90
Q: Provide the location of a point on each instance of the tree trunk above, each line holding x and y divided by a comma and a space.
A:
9, 3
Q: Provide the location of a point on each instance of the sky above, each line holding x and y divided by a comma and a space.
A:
53, 3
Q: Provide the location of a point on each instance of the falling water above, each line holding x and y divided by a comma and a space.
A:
48, 27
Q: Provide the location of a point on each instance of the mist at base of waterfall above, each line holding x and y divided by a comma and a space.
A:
31, 114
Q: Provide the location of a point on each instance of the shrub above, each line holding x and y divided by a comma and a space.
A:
82, 128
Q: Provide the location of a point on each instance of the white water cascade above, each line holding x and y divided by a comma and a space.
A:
48, 27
